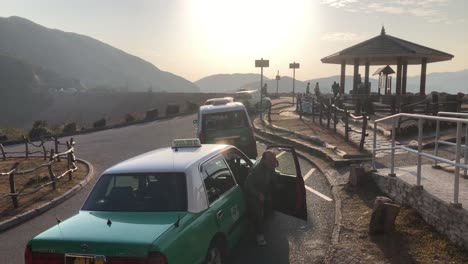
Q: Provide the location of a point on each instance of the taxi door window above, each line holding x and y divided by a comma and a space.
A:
217, 178
238, 164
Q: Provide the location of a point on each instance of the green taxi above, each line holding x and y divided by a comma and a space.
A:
182, 204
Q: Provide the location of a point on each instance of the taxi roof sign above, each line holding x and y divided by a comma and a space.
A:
186, 143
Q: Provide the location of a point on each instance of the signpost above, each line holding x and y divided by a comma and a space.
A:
277, 80
261, 64
294, 66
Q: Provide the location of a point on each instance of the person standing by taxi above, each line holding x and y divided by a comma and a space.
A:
258, 187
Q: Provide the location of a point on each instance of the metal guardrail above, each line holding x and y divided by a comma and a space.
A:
331, 112
458, 145
438, 141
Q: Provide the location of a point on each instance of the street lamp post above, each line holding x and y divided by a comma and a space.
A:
277, 81
294, 66
261, 64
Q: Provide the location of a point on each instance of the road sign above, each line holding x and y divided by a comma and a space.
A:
278, 77
262, 63
294, 65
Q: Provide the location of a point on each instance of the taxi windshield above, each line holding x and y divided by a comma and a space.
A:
142, 192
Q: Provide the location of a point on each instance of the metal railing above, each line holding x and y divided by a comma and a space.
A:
458, 146
333, 114
437, 140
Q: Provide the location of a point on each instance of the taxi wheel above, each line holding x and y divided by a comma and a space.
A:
215, 254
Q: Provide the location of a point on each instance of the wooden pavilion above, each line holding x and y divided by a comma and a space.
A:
386, 50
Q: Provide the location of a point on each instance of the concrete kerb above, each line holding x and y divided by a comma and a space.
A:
16, 220
317, 141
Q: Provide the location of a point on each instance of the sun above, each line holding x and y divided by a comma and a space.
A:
247, 27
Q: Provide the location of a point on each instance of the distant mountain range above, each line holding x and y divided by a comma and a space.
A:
92, 63
449, 82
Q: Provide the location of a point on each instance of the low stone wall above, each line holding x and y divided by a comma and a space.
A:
446, 219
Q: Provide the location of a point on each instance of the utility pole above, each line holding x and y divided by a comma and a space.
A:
277, 81
294, 66
261, 64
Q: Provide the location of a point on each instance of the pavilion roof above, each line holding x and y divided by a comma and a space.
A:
385, 49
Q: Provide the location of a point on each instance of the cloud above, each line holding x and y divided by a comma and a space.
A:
342, 36
431, 10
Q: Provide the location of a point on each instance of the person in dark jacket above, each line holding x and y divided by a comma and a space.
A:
258, 187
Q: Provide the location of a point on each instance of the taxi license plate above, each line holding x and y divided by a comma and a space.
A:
83, 259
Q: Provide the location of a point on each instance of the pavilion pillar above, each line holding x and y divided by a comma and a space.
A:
403, 81
422, 84
343, 77
398, 77
355, 75
366, 78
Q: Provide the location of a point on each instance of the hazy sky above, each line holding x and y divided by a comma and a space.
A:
197, 38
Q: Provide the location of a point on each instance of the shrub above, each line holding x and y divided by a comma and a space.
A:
129, 118
100, 123
39, 129
3, 137
152, 113
69, 128
172, 109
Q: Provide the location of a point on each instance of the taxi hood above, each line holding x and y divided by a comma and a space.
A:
108, 233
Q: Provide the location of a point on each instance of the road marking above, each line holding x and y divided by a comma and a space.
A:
326, 198
308, 174
280, 154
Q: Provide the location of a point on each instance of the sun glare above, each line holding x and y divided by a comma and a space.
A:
247, 27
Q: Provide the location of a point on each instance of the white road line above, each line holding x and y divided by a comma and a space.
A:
326, 198
280, 154
308, 174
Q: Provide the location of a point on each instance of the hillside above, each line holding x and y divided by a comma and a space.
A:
449, 82
76, 56
226, 82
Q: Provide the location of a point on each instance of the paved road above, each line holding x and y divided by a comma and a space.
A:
291, 240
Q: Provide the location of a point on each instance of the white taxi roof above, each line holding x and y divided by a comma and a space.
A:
222, 108
167, 159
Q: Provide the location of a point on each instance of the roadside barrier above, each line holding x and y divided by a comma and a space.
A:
53, 157
421, 118
334, 115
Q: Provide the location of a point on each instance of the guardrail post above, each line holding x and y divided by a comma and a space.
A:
363, 134
393, 104
466, 149
335, 119
26, 147
56, 142
313, 110
346, 116
436, 142
3, 152
374, 145
69, 162
14, 195
320, 115
44, 150
51, 173
420, 135
392, 158
456, 186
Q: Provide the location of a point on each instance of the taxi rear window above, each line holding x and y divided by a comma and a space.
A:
224, 120
145, 192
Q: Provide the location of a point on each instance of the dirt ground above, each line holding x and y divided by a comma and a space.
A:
413, 241
29, 182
